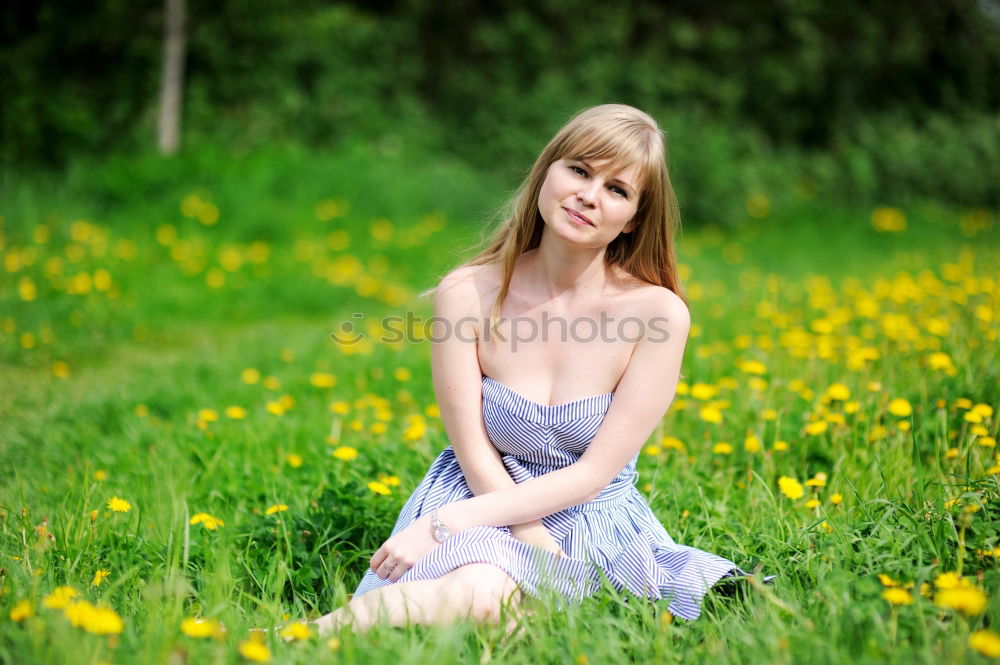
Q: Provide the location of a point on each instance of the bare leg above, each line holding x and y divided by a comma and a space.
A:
475, 591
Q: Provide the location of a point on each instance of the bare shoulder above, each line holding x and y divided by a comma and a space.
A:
661, 305
464, 290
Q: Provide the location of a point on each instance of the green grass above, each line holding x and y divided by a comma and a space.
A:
109, 399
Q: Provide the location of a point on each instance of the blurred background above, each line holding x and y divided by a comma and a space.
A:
853, 101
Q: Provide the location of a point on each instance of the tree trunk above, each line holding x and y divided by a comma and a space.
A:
172, 90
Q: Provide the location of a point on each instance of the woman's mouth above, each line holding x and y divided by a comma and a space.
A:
578, 218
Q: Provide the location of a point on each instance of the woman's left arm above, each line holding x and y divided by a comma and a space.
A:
641, 399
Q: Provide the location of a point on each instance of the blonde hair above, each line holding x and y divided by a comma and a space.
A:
627, 137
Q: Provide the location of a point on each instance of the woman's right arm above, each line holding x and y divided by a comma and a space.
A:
458, 388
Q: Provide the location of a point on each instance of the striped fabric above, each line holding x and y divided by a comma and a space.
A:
614, 536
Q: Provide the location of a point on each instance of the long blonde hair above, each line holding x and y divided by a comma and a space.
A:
627, 137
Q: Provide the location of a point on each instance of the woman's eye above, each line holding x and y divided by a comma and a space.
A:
577, 170
619, 191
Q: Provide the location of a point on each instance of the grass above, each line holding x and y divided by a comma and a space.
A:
136, 297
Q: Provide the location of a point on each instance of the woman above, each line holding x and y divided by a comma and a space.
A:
557, 352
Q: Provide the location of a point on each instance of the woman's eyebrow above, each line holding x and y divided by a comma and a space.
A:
617, 181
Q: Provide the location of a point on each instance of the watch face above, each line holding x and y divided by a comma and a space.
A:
441, 533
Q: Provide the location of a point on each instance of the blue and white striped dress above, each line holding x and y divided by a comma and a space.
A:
615, 535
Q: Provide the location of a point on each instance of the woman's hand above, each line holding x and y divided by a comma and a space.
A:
398, 554
535, 533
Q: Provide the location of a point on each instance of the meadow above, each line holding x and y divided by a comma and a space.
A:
187, 454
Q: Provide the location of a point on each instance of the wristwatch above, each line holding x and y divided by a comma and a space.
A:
439, 528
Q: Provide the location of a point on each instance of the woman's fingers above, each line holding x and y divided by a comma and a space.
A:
386, 569
378, 559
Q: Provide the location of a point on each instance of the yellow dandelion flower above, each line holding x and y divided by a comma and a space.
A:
323, 380
433, 411
838, 391
757, 384
897, 596
963, 403
236, 412
900, 407
951, 453
672, 443
703, 391
769, 414
296, 631
652, 451
819, 480
333, 644
790, 487
255, 651
903, 425
852, 407
886, 580
345, 453
207, 521
208, 415
293, 460
392, 481
22, 610
99, 576
379, 488
100, 475
141, 410
60, 369
272, 383
751, 444
826, 527
968, 600
199, 627
817, 427
275, 408
119, 505
276, 508
59, 598
812, 503
949, 580
722, 448
972, 417
402, 374
836, 499
979, 430
874, 386
985, 410
752, 367
878, 432
250, 376
379, 428
985, 642
340, 407
780, 446
986, 442
710, 414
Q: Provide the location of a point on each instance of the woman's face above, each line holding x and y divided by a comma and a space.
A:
587, 203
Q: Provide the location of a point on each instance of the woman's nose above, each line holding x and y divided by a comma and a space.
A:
588, 193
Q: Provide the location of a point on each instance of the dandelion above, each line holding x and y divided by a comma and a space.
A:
207, 521
392, 481
379, 488
254, 650
100, 475
710, 414
819, 480
275, 408
769, 414
672, 443
836, 499
208, 415
340, 408
296, 631
333, 644
897, 596
22, 610
751, 444
900, 407
985, 642
323, 380
986, 441
236, 412
293, 460
816, 428
432, 411
780, 446
99, 576
722, 448
812, 503
119, 505
345, 453
790, 487
838, 391
401, 374
652, 451
198, 627
250, 376
968, 600
276, 508
141, 410
95, 620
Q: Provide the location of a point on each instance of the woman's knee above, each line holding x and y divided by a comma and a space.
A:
487, 589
